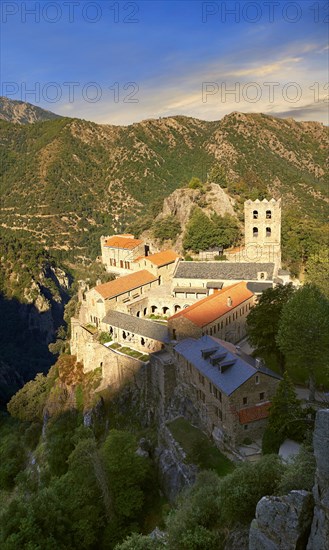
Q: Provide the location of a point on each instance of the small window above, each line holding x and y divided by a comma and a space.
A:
268, 232
255, 231
245, 427
255, 214
262, 275
262, 396
257, 379
268, 214
245, 400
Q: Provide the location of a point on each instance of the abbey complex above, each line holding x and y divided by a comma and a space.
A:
180, 323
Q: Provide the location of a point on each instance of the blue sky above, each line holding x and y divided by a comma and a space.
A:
121, 62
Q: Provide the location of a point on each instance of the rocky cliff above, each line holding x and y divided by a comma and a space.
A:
299, 520
28, 324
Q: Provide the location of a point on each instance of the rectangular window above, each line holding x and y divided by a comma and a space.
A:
218, 413
201, 379
210, 387
245, 400
262, 396
245, 427
257, 379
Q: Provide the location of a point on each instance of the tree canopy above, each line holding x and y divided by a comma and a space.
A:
264, 319
203, 232
303, 333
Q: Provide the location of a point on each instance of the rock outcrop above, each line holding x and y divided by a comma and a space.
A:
282, 523
319, 537
299, 520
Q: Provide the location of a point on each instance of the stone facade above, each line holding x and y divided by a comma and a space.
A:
219, 412
263, 231
118, 257
117, 369
230, 326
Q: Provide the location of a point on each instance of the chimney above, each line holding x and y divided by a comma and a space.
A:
258, 363
229, 301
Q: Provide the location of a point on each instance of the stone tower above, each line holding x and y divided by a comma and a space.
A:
263, 231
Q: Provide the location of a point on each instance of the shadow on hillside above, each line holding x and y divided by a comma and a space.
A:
24, 337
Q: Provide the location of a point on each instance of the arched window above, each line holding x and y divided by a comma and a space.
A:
255, 214
268, 214
154, 309
255, 231
165, 310
138, 314
268, 232
177, 308
145, 311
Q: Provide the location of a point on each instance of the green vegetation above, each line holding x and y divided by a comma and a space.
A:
195, 183
263, 324
213, 506
167, 228
303, 334
287, 419
198, 448
203, 232
317, 270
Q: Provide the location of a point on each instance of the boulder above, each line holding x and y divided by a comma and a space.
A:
282, 523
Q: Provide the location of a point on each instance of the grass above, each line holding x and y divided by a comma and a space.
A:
198, 448
131, 352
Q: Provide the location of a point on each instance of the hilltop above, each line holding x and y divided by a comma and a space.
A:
67, 181
21, 112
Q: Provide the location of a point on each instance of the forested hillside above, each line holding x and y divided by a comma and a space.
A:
67, 181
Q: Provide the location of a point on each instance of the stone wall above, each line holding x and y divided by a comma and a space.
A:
117, 369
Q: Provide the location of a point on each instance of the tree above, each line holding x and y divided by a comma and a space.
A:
317, 271
241, 490
203, 232
194, 524
167, 228
286, 417
303, 333
28, 403
299, 473
263, 322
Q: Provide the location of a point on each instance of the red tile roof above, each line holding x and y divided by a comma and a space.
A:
212, 307
251, 414
161, 258
122, 241
125, 283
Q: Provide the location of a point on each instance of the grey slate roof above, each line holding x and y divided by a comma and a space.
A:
257, 287
229, 380
214, 271
136, 325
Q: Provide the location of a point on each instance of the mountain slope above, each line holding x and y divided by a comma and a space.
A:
22, 112
67, 181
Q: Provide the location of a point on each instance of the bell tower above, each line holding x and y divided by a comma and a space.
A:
263, 231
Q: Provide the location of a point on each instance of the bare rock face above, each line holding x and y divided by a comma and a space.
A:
181, 202
319, 537
282, 523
